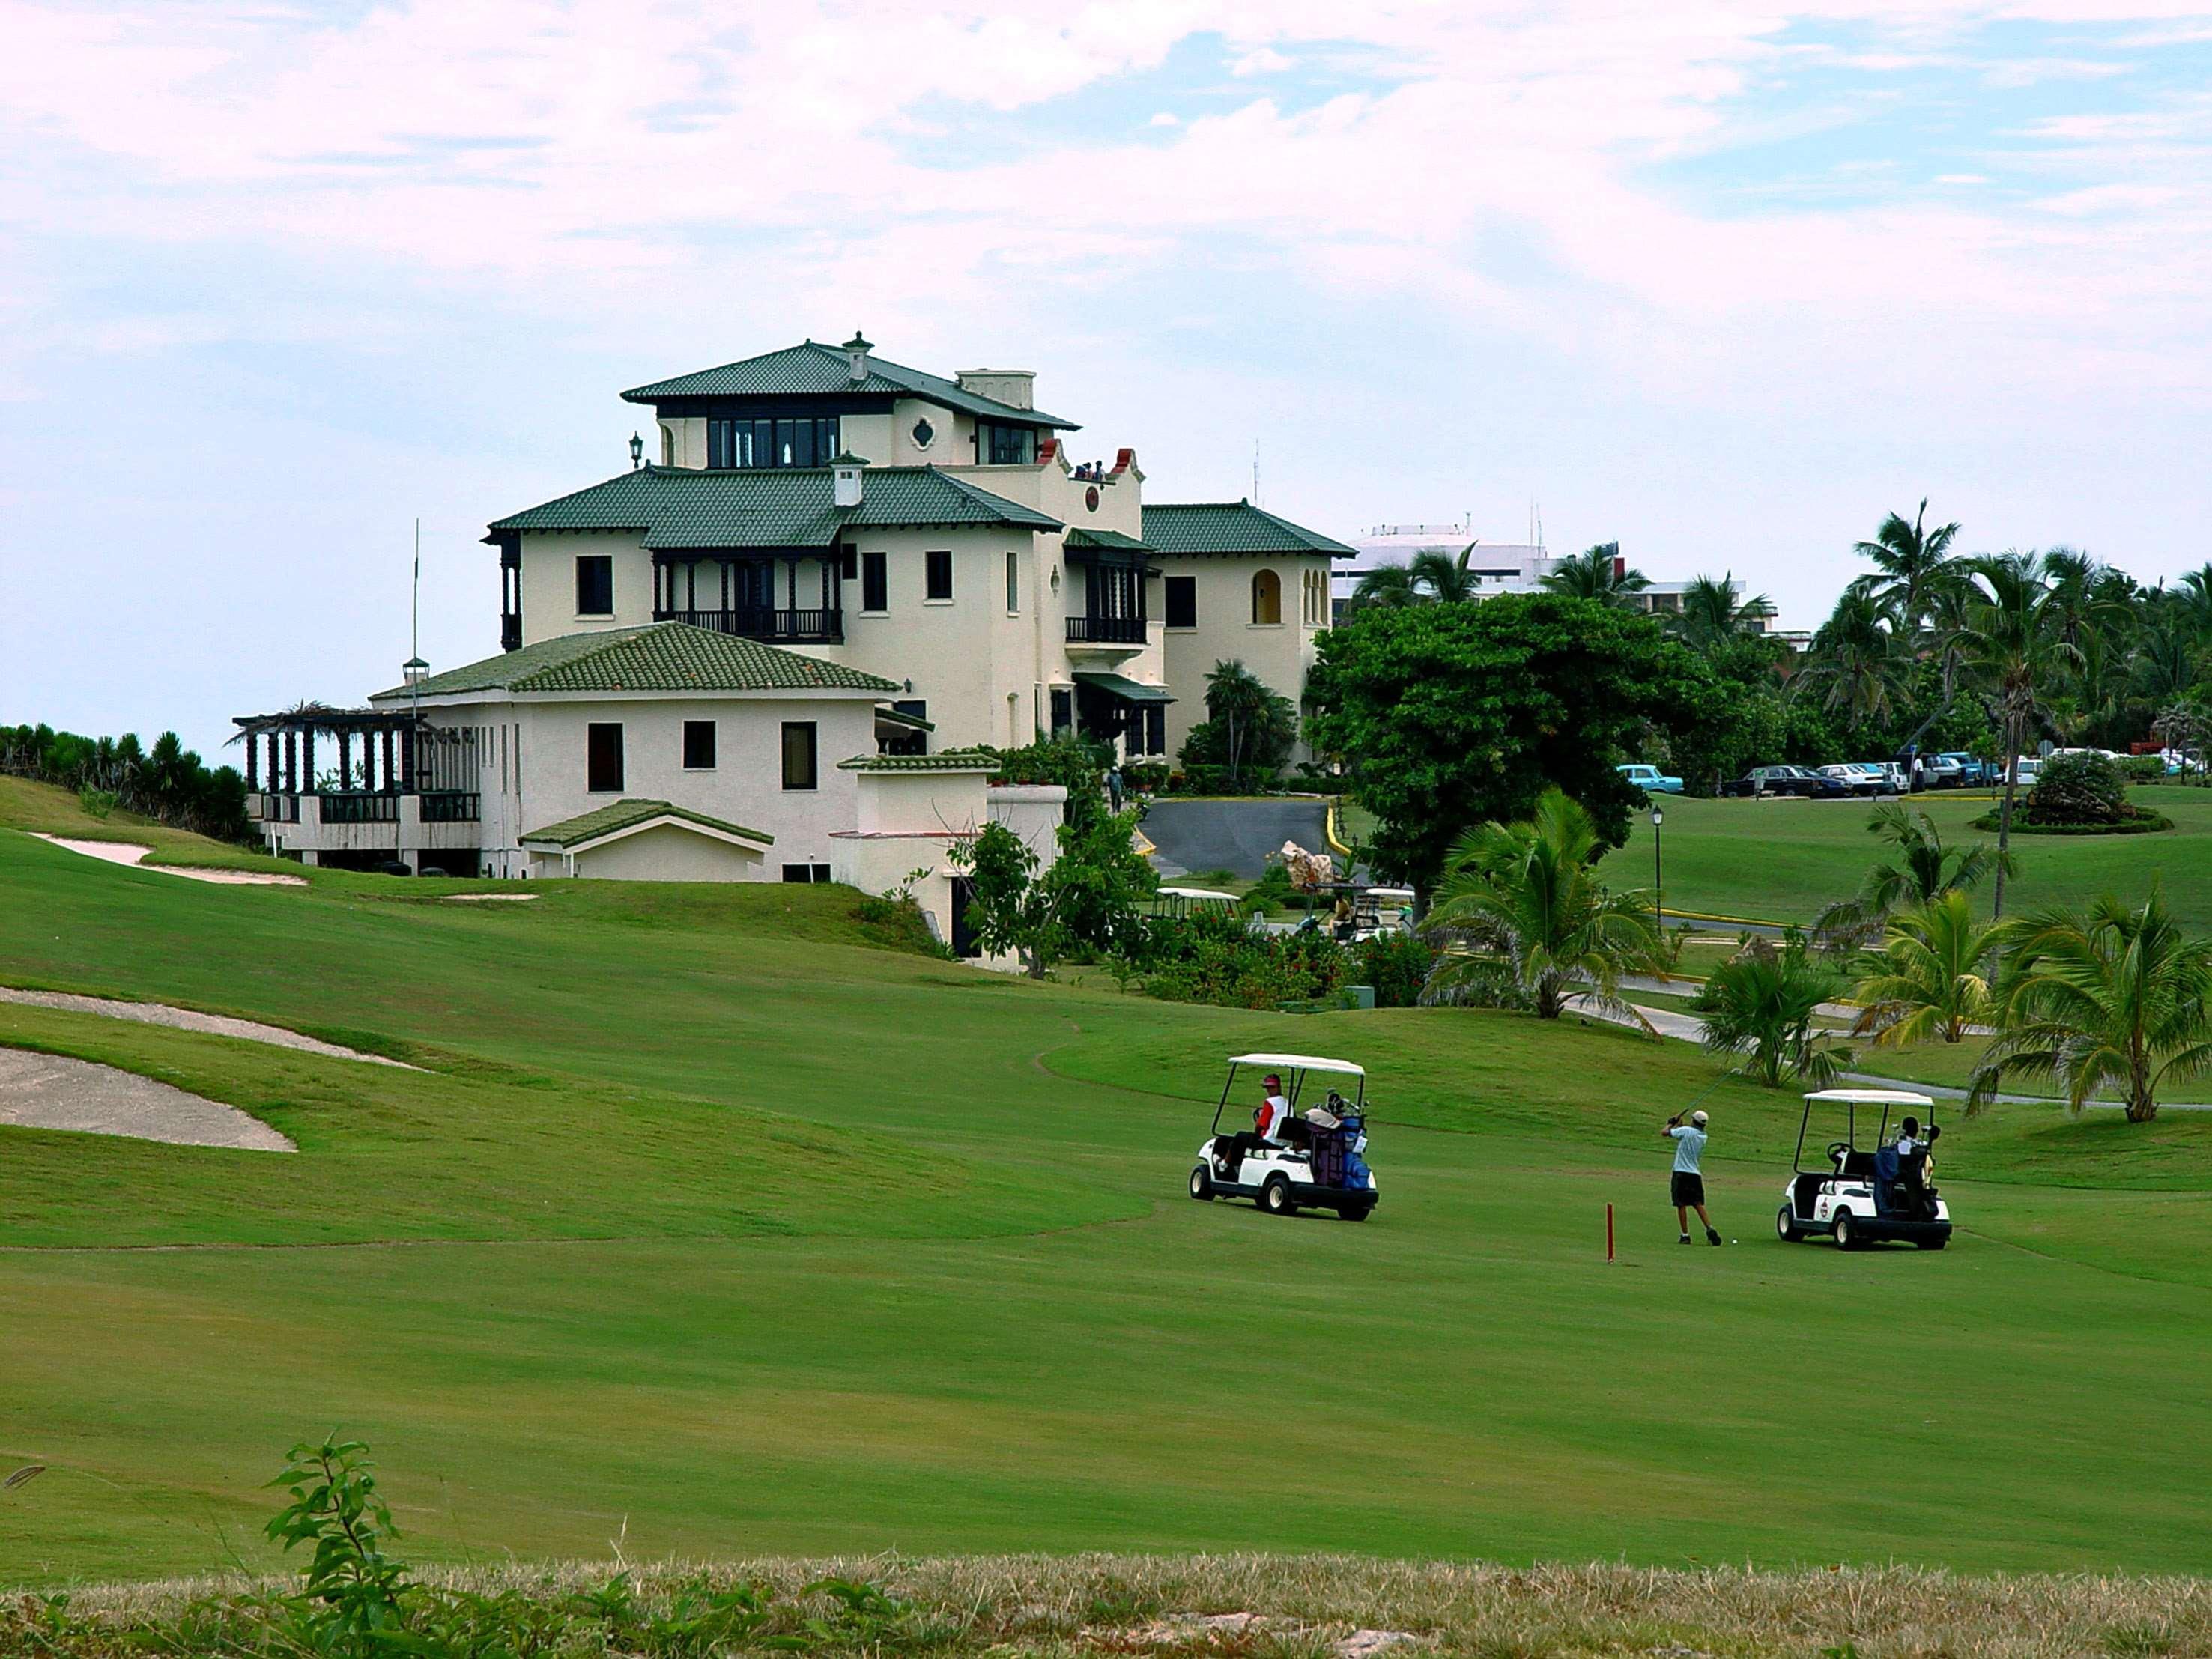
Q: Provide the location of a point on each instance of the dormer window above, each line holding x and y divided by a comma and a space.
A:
1000, 445
809, 440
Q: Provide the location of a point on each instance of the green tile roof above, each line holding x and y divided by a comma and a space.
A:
1231, 527
1107, 539
622, 814
814, 370
949, 760
663, 657
769, 507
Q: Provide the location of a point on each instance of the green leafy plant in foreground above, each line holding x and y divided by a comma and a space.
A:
354, 1589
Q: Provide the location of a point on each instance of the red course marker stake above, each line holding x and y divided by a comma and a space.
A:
1608, 1232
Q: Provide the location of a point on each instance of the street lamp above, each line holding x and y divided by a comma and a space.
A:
637, 451
1658, 877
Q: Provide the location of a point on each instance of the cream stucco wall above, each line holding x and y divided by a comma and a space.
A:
549, 581
664, 854
1279, 653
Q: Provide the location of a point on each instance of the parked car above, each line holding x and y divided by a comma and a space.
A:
1862, 777
2025, 774
1973, 774
1787, 781
1650, 780
1941, 772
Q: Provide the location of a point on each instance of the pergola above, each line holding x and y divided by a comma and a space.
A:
377, 751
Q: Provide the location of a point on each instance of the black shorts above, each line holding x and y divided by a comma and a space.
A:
1689, 1189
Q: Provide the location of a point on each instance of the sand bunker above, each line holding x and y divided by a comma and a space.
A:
188, 1020
130, 852
45, 1091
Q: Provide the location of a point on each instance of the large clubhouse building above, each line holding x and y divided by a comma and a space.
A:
825, 577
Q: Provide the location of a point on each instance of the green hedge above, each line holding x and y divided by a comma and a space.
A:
2144, 824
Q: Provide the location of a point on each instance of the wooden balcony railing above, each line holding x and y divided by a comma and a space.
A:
451, 807
816, 627
356, 807
1105, 630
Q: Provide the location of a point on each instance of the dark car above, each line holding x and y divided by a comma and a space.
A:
1972, 774
1786, 780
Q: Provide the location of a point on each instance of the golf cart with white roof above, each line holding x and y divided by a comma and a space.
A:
1862, 1195
1319, 1164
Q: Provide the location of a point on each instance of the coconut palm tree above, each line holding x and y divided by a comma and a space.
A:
1597, 574
1712, 615
2115, 996
1856, 665
1910, 562
1389, 587
1448, 579
1523, 921
1760, 1004
2013, 651
1930, 978
1922, 870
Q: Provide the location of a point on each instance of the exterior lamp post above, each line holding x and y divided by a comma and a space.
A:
1658, 877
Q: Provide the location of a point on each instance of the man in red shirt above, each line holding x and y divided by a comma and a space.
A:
1269, 1119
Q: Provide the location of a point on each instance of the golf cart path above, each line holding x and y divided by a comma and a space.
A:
1236, 836
1672, 1023
189, 1019
50, 1091
134, 855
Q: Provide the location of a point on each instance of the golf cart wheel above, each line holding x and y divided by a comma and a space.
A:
1932, 1243
1847, 1237
1201, 1183
1275, 1197
1356, 1211
1786, 1227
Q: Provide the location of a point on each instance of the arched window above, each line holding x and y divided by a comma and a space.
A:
1266, 598
668, 446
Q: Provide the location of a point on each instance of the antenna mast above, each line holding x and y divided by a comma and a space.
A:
1255, 472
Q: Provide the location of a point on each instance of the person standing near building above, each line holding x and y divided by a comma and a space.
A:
1114, 789
1687, 1187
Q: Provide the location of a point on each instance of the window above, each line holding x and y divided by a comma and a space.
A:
595, 585
808, 440
849, 565
1266, 598
603, 757
799, 754
937, 574
1005, 445
668, 446
807, 872
1013, 581
1063, 709
698, 745
1182, 601
875, 582
1155, 736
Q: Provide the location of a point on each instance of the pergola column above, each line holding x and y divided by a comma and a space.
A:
407, 783
308, 761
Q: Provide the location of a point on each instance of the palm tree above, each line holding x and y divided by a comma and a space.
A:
1712, 615
1448, 579
2013, 649
1856, 665
1597, 574
1929, 978
1922, 870
2117, 996
1761, 1004
2194, 593
1243, 703
1909, 563
1389, 587
1525, 922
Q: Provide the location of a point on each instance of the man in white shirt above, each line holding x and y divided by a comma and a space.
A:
1688, 1186
1269, 1122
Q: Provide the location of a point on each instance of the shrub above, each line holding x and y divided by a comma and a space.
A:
2143, 769
1217, 958
1275, 891
2086, 788
1396, 965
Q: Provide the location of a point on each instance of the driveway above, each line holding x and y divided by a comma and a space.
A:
1236, 836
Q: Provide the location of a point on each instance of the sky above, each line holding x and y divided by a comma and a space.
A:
1724, 282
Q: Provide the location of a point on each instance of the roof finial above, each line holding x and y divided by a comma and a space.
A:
856, 352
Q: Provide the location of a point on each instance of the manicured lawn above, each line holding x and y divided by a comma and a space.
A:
714, 1230
1782, 860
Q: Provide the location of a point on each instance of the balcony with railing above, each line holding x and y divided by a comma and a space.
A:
823, 625
1106, 630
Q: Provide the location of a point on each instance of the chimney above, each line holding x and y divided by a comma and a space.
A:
856, 357
415, 671
846, 473
1014, 387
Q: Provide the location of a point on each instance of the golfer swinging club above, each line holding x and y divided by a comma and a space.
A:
1689, 1183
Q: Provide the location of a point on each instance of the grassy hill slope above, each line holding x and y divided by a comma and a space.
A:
725, 1239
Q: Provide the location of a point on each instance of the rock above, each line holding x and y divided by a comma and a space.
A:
1363, 1643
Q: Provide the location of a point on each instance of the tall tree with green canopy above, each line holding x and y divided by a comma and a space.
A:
1448, 579
2116, 995
1909, 564
1249, 727
2014, 653
1449, 716
1387, 586
1525, 922
1856, 666
1712, 615
1597, 574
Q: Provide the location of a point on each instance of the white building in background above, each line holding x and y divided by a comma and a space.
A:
1499, 567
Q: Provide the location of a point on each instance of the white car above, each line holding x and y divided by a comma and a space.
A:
1852, 1194
1861, 778
1321, 1166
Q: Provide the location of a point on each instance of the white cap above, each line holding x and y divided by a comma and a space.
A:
1698, 1118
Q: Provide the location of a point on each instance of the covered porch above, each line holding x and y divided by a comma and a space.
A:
1115, 621
361, 787
1113, 708
782, 596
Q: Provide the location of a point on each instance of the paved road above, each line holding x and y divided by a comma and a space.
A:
1236, 836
